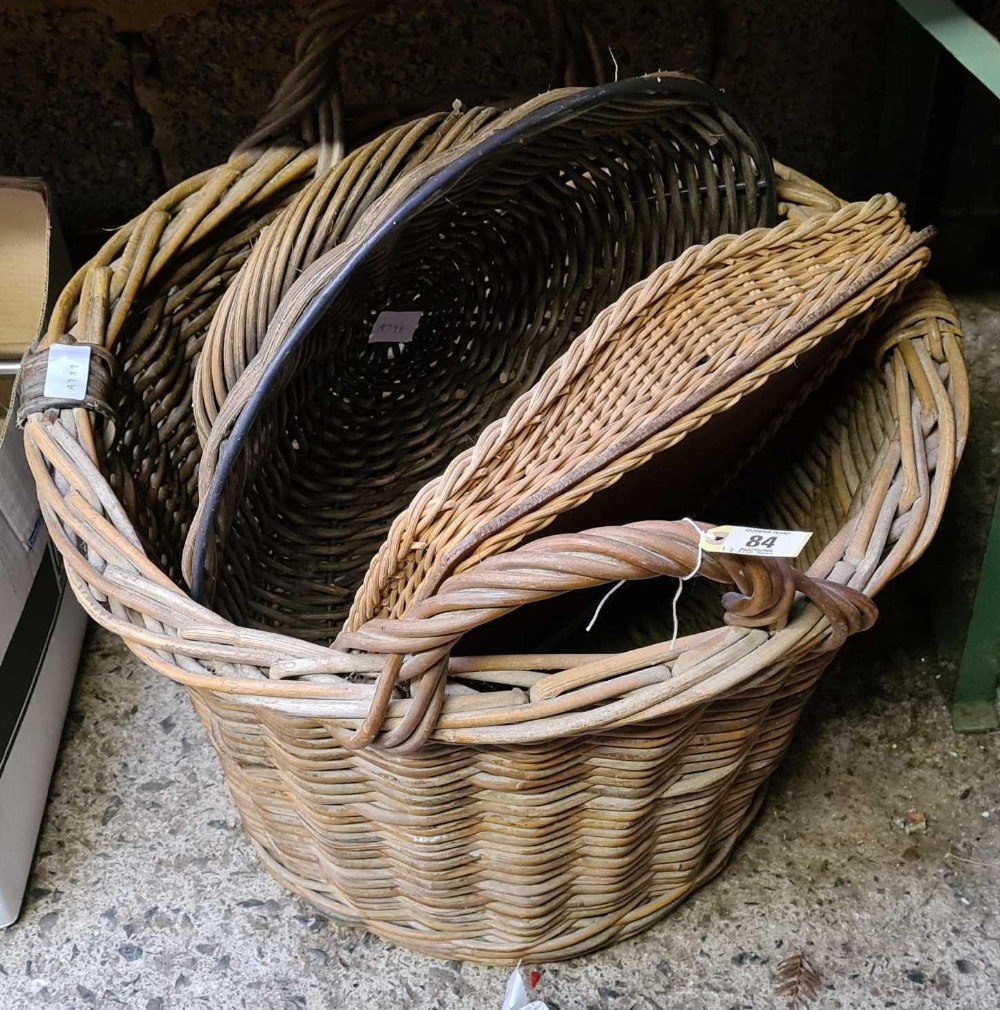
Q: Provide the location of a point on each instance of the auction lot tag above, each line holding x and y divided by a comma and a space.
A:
394, 327
67, 371
754, 541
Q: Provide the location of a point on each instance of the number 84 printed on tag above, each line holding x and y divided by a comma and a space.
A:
754, 541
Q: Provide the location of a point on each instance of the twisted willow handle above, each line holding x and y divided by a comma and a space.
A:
765, 590
311, 95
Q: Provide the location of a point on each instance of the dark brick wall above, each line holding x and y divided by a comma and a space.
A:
111, 100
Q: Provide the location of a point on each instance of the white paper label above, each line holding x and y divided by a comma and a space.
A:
754, 541
67, 371
394, 327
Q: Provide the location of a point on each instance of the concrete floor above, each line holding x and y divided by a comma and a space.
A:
146, 894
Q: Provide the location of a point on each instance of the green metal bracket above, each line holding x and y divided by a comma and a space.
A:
962, 36
975, 707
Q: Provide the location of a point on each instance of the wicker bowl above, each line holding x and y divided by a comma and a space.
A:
323, 436
588, 792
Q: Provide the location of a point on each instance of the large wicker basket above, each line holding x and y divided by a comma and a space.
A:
592, 792
589, 789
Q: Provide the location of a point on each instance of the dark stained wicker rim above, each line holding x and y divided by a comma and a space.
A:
558, 112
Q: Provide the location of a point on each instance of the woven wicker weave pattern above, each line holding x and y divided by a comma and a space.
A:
546, 849
537, 805
352, 438
666, 775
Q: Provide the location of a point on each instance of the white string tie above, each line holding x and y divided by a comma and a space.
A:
681, 579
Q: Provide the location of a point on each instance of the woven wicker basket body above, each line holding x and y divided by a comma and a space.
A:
582, 792
580, 801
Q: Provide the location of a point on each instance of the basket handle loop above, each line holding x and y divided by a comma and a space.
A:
311, 95
765, 590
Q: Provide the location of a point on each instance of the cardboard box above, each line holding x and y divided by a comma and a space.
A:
41, 624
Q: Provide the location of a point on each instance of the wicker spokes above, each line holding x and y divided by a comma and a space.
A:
508, 247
